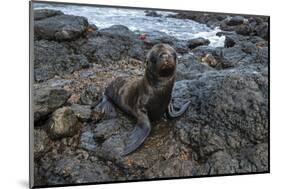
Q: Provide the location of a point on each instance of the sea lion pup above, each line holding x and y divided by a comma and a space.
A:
145, 98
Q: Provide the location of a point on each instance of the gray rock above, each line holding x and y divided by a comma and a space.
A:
90, 95
60, 27
52, 58
229, 112
190, 67
83, 112
236, 20
63, 123
262, 30
193, 43
110, 45
46, 100
159, 37
41, 143
45, 13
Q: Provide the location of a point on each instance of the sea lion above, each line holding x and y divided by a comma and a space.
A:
145, 98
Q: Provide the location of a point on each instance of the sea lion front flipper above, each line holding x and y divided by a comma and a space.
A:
106, 107
172, 113
138, 135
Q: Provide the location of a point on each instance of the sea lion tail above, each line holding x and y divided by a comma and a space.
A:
137, 137
172, 113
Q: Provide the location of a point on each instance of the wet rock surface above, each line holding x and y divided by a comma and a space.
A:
60, 27
224, 130
45, 13
193, 43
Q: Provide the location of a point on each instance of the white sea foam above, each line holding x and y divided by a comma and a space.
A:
135, 20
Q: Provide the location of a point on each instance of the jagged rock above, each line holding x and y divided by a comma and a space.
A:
90, 95
45, 13
193, 43
63, 123
52, 58
83, 112
236, 20
41, 143
60, 27
46, 100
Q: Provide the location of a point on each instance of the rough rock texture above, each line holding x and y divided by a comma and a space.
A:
236, 20
224, 130
83, 112
45, 13
121, 40
41, 143
60, 27
63, 123
193, 43
46, 100
90, 95
52, 58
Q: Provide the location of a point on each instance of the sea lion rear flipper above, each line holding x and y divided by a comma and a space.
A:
106, 107
172, 113
137, 136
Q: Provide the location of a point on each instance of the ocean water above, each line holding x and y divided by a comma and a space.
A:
136, 20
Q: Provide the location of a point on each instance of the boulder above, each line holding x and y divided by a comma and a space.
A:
45, 13
113, 44
190, 67
228, 116
193, 43
78, 167
90, 95
262, 30
63, 123
52, 58
82, 112
211, 20
46, 100
236, 20
60, 27
41, 143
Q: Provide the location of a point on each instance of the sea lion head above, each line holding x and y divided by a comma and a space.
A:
161, 61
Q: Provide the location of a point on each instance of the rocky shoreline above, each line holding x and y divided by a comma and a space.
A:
225, 130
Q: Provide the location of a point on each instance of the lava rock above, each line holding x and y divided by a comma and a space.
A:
45, 13
90, 95
52, 58
110, 45
193, 43
233, 106
63, 123
46, 100
41, 143
83, 112
190, 67
236, 20
60, 27
262, 30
